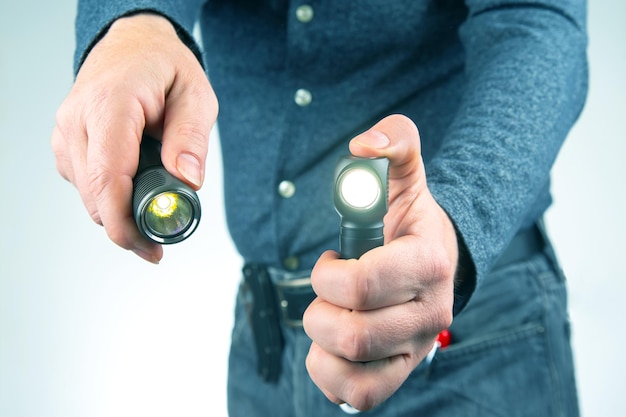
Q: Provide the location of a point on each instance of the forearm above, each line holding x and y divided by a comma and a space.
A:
94, 17
526, 85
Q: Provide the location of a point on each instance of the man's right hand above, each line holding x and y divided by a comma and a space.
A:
139, 76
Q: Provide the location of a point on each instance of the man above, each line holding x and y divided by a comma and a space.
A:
494, 88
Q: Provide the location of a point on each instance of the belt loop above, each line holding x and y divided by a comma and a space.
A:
294, 296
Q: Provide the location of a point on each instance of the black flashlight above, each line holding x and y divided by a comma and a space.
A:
361, 193
166, 209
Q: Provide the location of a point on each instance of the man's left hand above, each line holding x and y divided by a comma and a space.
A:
377, 317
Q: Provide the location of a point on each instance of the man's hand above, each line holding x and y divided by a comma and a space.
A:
139, 76
376, 318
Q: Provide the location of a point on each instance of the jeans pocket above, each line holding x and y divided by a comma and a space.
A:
510, 354
504, 374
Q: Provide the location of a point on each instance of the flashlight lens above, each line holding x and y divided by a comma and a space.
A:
359, 188
168, 214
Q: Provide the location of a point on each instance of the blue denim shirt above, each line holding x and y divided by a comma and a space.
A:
494, 87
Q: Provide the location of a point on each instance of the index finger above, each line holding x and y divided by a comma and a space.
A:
384, 276
112, 159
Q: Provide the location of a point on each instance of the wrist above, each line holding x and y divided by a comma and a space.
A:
142, 21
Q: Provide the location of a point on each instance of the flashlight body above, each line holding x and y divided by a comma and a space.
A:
353, 243
361, 226
152, 181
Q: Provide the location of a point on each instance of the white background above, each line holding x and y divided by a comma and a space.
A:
87, 329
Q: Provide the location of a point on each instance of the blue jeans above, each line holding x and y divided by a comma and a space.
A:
510, 356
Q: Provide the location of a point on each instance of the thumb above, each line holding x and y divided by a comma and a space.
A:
395, 137
190, 113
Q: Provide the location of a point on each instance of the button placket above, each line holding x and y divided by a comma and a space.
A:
299, 55
304, 14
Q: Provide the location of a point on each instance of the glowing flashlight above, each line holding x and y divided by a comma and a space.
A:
361, 201
166, 209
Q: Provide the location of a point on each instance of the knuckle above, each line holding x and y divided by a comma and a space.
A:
65, 174
97, 181
442, 312
359, 290
63, 116
61, 151
440, 318
56, 143
213, 104
360, 397
62, 161
195, 138
312, 360
63, 165
63, 130
203, 92
355, 343
94, 214
192, 132
443, 319
443, 266
118, 236
100, 182
88, 202
406, 123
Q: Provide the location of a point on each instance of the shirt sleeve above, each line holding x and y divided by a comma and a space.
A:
94, 17
526, 83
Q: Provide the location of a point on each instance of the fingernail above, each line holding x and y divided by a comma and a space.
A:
189, 166
146, 255
374, 139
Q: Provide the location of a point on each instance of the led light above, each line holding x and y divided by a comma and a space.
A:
360, 188
166, 209
168, 214
163, 205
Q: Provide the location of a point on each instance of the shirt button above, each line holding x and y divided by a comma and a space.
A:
304, 13
286, 189
303, 97
291, 263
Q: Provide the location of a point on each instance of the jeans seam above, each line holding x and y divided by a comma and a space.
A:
551, 281
546, 280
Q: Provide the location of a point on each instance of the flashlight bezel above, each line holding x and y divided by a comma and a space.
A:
149, 185
361, 227
372, 214
152, 180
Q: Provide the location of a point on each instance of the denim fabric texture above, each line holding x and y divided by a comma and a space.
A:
510, 357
